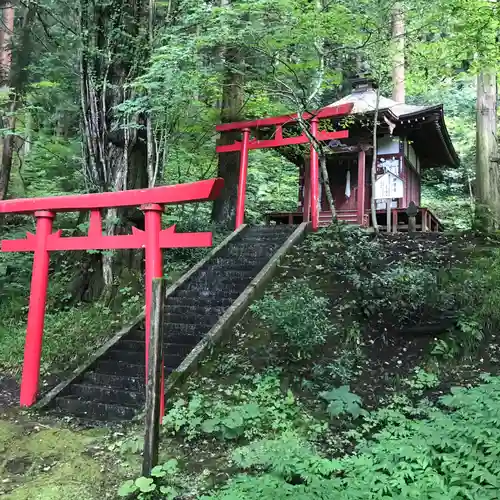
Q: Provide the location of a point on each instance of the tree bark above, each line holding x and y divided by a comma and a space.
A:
224, 207
374, 162
326, 184
14, 61
116, 147
487, 181
398, 52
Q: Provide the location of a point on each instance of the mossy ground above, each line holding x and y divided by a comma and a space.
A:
41, 460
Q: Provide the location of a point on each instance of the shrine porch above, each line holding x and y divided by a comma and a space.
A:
426, 221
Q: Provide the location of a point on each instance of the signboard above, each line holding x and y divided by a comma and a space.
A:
389, 186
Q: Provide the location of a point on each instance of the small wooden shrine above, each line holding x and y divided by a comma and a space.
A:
410, 139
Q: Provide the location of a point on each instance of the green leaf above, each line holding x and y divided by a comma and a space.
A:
158, 471
127, 488
210, 426
171, 466
145, 484
233, 420
168, 492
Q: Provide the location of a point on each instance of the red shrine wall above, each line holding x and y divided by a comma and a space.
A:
346, 198
345, 189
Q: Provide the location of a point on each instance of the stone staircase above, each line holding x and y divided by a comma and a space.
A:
112, 389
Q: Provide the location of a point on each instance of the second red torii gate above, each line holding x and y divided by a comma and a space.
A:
247, 143
153, 239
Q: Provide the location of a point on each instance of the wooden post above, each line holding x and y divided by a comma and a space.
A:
389, 214
155, 370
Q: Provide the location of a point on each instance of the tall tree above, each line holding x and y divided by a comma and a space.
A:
114, 46
15, 60
231, 109
487, 175
398, 55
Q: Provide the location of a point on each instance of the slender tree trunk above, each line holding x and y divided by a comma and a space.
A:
374, 162
326, 183
15, 72
398, 52
487, 181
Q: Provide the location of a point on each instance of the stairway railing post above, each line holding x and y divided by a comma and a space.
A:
36, 312
242, 182
154, 269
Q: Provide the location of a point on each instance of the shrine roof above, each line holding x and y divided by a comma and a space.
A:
423, 125
366, 101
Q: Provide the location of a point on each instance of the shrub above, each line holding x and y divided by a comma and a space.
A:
239, 412
299, 315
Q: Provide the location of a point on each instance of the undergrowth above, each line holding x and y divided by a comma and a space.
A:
449, 453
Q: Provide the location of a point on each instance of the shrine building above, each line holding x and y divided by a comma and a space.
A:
410, 139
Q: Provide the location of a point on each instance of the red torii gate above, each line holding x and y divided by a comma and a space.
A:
247, 143
153, 239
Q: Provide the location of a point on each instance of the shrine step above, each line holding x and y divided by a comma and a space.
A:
113, 387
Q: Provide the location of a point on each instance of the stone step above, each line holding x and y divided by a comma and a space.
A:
207, 295
195, 319
138, 346
114, 367
107, 395
114, 381
172, 360
188, 310
94, 410
191, 299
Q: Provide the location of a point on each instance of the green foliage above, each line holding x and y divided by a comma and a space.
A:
422, 380
239, 411
440, 455
341, 401
163, 483
299, 314
399, 293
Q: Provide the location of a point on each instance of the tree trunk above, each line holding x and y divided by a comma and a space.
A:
116, 147
398, 52
487, 181
14, 63
374, 162
224, 207
326, 184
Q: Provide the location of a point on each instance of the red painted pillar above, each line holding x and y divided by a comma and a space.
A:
36, 313
306, 204
314, 178
361, 186
242, 183
154, 269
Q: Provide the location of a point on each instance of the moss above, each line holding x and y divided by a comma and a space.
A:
52, 464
